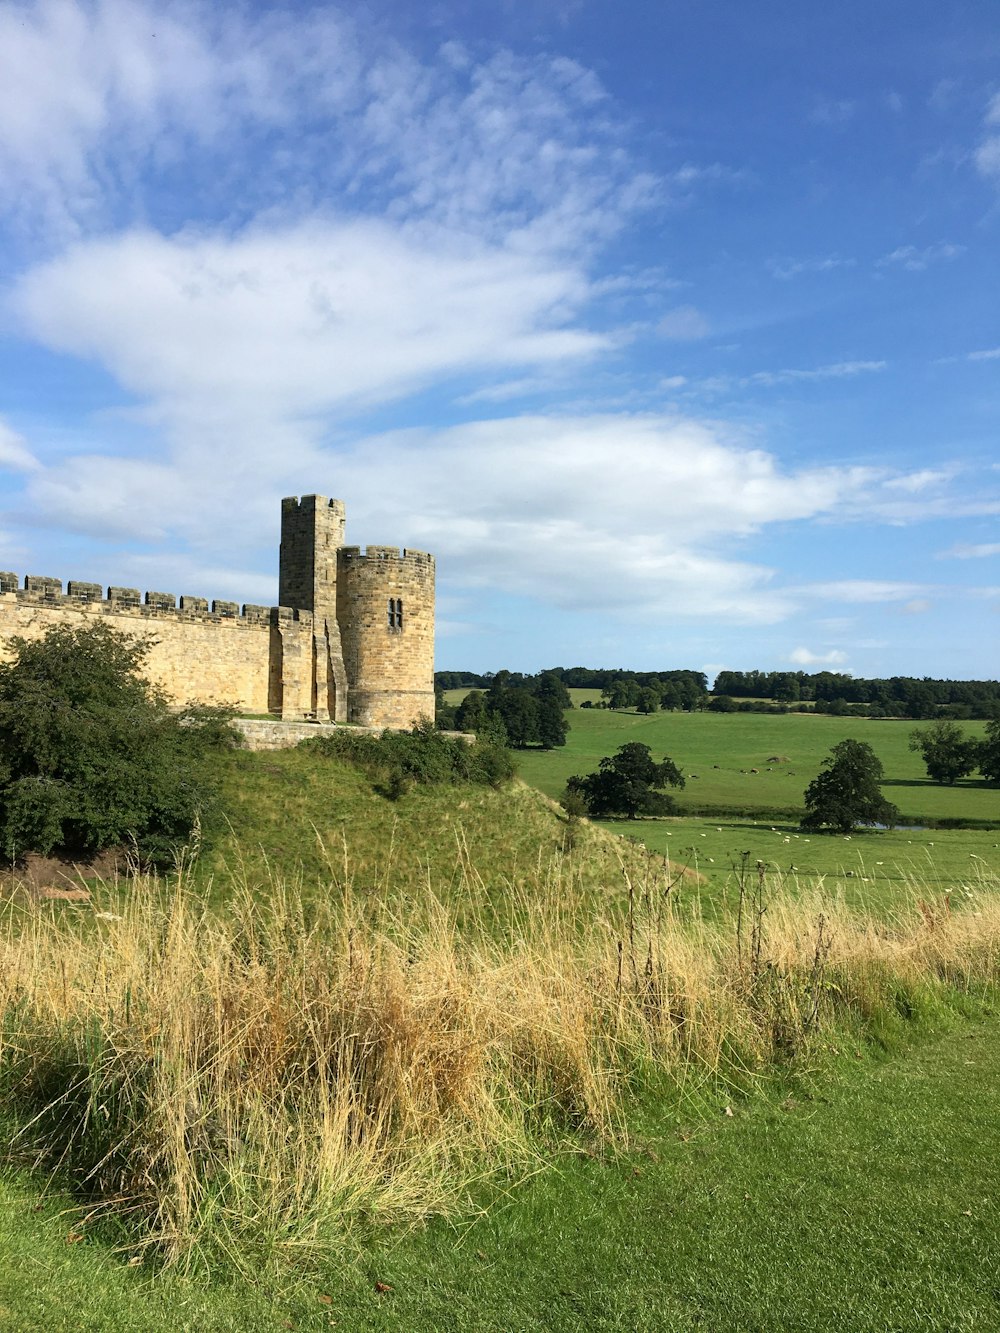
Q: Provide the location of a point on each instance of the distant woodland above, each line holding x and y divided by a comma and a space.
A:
756, 691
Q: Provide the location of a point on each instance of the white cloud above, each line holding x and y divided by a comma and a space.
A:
913, 482
684, 323
804, 657
785, 269
14, 452
832, 112
971, 551
916, 259
102, 104
838, 370
865, 590
989, 354
917, 607
302, 320
987, 154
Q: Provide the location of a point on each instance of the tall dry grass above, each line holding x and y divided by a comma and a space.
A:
248, 1083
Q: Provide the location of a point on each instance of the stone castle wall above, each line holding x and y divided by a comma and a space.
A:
197, 654
354, 641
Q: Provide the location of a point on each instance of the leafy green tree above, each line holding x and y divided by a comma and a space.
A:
92, 755
948, 753
649, 700
628, 783
550, 686
445, 714
472, 712
989, 752
847, 793
722, 703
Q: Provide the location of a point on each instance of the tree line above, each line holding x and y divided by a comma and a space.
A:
833, 692
892, 696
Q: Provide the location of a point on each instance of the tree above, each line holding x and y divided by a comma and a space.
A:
92, 755
989, 752
649, 700
627, 783
848, 793
471, 712
948, 753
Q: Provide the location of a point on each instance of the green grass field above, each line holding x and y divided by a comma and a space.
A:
852, 1188
758, 812
860, 1202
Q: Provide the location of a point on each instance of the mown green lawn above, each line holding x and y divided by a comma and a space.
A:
866, 1200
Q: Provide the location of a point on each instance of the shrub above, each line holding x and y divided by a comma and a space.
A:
92, 755
396, 759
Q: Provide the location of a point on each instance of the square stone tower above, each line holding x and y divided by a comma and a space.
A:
312, 533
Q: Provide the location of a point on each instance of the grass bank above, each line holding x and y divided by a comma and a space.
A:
248, 1087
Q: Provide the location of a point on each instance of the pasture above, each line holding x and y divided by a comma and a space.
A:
728, 809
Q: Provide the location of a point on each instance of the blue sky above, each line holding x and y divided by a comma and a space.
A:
670, 328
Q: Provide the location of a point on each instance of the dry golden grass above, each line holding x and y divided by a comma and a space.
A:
248, 1083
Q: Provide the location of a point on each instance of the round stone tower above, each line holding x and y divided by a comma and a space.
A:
385, 608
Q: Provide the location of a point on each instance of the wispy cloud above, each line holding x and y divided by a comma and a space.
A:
836, 371
832, 111
970, 551
318, 108
805, 657
989, 354
987, 153
915, 259
685, 323
866, 590
786, 269
14, 452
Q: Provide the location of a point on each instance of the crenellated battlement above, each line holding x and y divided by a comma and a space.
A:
42, 591
356, 554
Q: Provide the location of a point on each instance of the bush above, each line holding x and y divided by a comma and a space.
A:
397, 759
92, 755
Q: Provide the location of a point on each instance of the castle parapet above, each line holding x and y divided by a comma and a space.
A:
354, 554
124, 596
84, 592
121, 601
41, 586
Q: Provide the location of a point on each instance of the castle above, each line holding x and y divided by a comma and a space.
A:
352, 639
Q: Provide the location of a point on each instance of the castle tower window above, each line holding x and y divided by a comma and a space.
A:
394, 615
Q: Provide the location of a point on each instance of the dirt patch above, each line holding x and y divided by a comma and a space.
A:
50, 878
779, 759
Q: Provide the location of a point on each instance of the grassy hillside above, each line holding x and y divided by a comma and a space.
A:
296, 814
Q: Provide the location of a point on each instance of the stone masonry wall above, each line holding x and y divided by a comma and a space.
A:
197, 654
